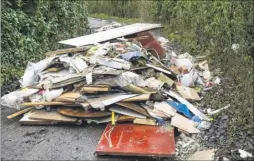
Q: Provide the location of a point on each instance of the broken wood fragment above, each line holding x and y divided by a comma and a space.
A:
44, 103
95, 88
19, 113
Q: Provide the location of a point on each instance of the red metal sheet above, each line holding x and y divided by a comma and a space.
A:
152, 43
137, 140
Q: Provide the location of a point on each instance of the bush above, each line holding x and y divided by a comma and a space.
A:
209, 28
30, 28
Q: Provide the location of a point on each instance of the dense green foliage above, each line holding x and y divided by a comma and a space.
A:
207, 28
30, 28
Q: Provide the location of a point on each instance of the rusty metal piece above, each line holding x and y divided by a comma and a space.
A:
151, 43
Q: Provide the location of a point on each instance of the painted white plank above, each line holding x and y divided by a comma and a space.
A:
110, 34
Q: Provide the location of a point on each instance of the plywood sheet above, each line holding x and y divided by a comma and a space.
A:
25, 120
137, 140
51, 116
27, 104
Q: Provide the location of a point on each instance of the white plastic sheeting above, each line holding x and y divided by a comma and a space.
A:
14, 99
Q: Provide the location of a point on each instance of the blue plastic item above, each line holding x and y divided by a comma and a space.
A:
182, 108
196, 119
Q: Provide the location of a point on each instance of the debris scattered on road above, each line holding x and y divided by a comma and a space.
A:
118, 81
203, 155
244, 154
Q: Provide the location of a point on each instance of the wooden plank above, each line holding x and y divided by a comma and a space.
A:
95, 88
124, 118
64, 51
26, 104
50, 116
19, 112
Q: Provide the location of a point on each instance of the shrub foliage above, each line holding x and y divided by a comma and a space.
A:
32, 27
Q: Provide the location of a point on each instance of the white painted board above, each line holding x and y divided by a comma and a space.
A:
110, 34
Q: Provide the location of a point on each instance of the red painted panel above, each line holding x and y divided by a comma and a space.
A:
151, 43
137, 140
